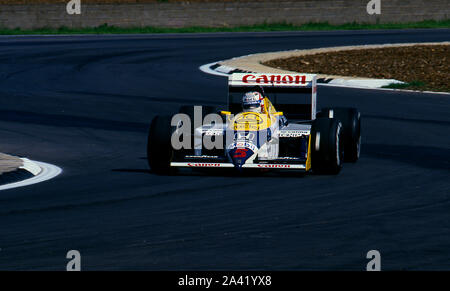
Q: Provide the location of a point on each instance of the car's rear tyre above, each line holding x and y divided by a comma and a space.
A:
326, 146
159, 147
351, 124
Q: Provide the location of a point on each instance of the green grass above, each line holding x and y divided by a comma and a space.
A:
106, 29
412, 85
419, 86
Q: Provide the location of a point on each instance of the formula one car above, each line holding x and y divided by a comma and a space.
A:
287, 134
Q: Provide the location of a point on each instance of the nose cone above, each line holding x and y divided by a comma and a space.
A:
239, 156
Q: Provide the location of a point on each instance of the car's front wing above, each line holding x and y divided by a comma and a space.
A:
245, 166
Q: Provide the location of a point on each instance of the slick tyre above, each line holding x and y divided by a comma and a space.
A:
351, 125
326, 146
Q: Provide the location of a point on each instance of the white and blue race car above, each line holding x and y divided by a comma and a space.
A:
288, 134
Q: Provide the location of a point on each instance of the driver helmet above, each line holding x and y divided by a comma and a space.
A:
253, 102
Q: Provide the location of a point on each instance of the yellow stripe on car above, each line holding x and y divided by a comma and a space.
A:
308, 159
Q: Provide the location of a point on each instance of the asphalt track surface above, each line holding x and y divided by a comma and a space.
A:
84, 103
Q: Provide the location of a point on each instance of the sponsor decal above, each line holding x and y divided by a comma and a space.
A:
274, 79
203, 165
244, 136
213, 132
201, 157
273, 166
243, 145
293, 133
287, 158
250, 117
247, 127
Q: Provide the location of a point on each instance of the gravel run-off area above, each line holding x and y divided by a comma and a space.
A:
425, 68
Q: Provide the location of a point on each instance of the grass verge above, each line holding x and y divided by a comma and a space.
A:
107, 29
414, 85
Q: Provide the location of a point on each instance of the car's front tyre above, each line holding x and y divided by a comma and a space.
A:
326, 146
351, 123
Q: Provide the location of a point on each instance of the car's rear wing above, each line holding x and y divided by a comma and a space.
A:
283, 90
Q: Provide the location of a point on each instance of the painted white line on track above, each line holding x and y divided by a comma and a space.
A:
45, 172
207, 69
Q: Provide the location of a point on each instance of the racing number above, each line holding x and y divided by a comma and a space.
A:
240, 153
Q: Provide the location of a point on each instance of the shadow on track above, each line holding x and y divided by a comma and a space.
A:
421, 156
219, 173
59, 120
414, 120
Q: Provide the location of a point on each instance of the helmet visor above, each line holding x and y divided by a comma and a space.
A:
250, 105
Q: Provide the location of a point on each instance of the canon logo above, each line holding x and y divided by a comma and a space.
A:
278, 79
274, 166
203, 165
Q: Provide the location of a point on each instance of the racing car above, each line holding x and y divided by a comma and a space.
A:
282, 131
